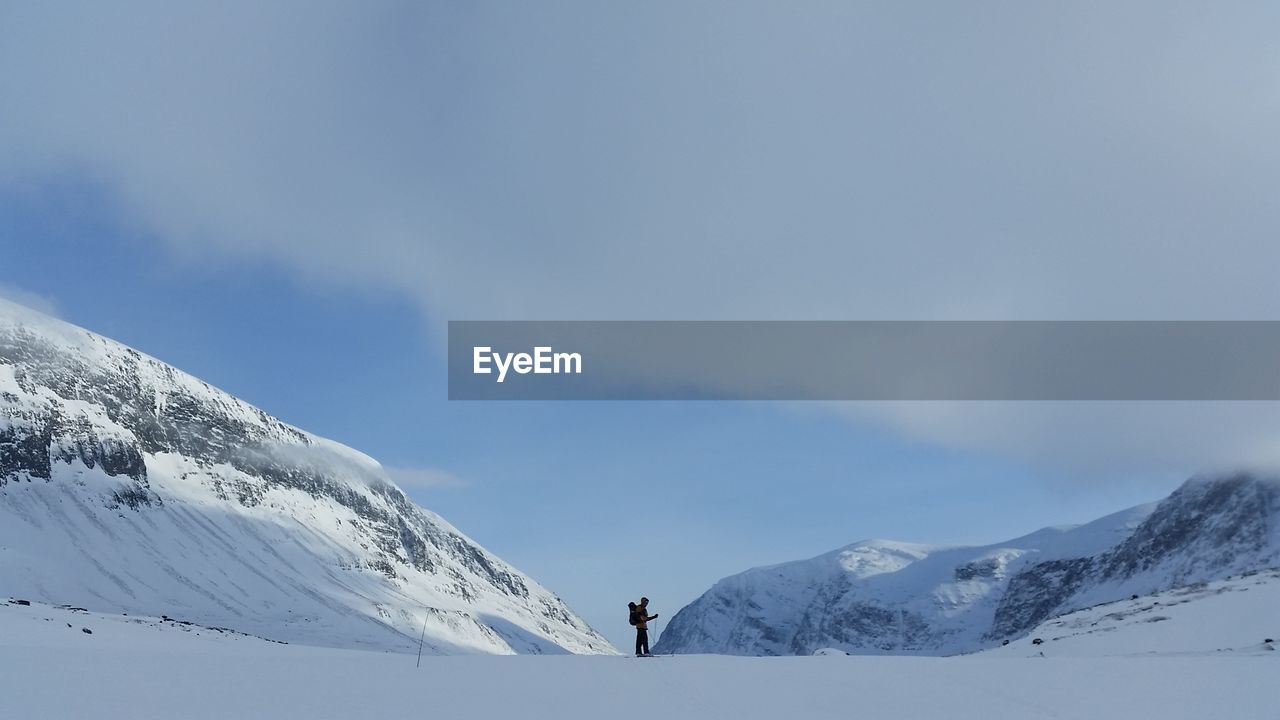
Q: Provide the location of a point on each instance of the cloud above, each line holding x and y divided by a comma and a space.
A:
331, 458
36, 302
589, 161
1091, 441
423, 478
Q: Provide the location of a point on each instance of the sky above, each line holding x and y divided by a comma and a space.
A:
290, 199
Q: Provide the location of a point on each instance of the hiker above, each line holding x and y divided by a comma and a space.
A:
640, 618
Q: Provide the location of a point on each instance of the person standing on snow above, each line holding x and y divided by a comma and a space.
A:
640, 618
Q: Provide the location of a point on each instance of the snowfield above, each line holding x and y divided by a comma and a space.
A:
1237, 615
142, 668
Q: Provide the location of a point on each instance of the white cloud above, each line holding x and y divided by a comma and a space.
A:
35, 301
846, 162
423, 478
1091, 439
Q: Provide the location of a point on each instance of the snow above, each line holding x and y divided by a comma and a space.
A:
1235, 615
760, 610
244, 521
887, 597
141, 668
298, 563
290, 568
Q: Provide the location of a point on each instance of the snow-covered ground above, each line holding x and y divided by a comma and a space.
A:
1237, 615
131, 667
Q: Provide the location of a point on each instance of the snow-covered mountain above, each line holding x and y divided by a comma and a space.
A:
1238, 615
129, 486
891, 597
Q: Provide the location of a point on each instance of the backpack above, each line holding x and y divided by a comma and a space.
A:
634, 617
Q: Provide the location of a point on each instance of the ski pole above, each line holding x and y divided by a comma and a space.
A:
422, 638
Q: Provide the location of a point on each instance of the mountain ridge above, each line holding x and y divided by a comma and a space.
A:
960, 599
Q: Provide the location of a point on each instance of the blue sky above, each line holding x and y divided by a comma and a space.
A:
289, 199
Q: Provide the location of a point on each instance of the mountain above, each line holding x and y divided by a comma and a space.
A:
883, 597
129, 486
1236, 616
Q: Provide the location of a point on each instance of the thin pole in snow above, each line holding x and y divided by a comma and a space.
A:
422, 638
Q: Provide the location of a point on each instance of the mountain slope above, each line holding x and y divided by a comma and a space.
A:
896, 598
1236, 615
129, 486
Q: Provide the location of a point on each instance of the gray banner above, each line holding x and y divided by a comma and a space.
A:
864, 360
